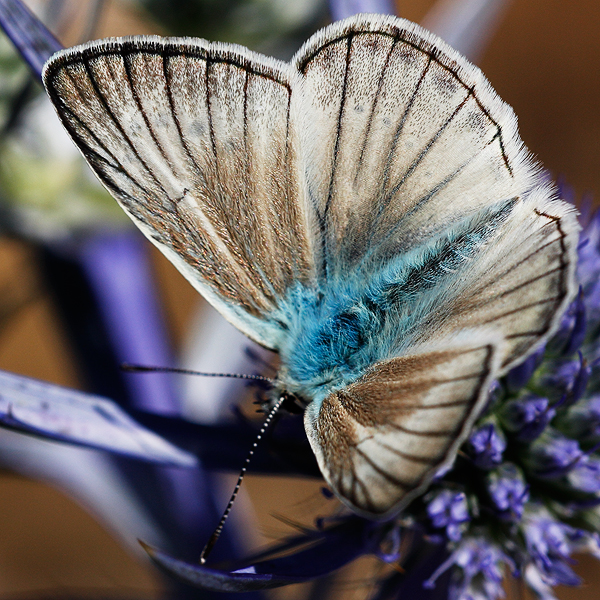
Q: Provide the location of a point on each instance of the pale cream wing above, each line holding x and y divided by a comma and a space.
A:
381, 440
520, 284
195, 141
404, 139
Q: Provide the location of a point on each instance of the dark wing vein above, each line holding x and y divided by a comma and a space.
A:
339, 126
516, 288
411, 407
127, 67
423, 460
426, 149
396, 138
521, 308
373, 107
387, 476
118, 125
169, 86
209, 115
428, 433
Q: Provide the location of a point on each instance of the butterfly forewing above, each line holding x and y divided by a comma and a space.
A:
415, 139
209, 172
380, 440
421, 164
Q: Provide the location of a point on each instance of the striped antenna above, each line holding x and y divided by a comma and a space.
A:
217, 532
148, 369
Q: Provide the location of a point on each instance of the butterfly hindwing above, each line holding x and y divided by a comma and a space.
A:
209, 173
381, 440
522, 285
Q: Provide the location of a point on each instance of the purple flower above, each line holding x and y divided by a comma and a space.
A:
486, 446
508, 491
582, 421
527, 417
585, 475
592, 300
517, 377
571, 333
448, 509
534, 579
550, 544
552, 455
312, 554
568, 381
478, 570
588, 268
389, 549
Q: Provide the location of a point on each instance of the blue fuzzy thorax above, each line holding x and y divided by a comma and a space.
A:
331, 338
333, 333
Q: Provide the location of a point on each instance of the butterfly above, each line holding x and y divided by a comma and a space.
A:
368, 211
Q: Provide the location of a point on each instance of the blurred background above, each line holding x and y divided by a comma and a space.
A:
61, 537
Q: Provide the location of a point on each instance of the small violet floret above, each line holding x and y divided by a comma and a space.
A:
552, 455
487, 444
550, 544
508, 491
448, 509
527, 417
478, 570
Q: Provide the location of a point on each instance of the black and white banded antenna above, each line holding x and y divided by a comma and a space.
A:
129, 368
265, 426
219, 528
